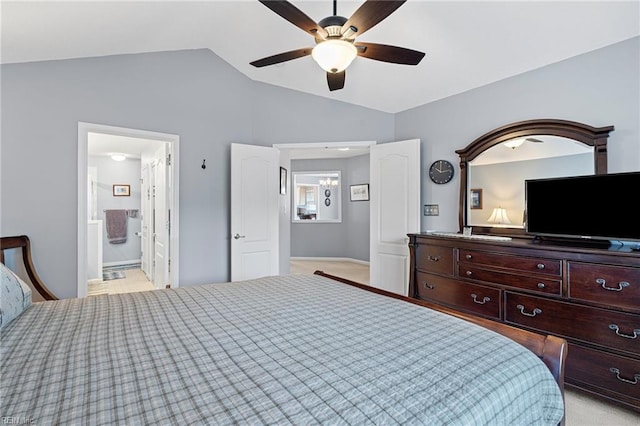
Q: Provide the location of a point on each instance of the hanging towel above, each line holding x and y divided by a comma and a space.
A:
116, 223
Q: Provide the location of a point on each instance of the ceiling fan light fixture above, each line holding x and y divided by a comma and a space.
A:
334, 55
514, 143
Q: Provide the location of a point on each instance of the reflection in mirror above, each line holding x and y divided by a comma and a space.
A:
500, 171
317, 197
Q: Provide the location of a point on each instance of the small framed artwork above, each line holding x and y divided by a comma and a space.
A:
475, 199
121, 190
283, 181
360, 192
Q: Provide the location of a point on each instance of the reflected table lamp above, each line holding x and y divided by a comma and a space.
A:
499, 216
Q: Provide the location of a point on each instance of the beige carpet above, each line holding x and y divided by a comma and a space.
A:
134, 281
581, 409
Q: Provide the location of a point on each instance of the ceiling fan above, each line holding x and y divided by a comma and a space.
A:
335, 38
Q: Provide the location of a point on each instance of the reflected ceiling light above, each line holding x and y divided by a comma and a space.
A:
514, 143
118, 157
328, 183
333, 55
499, 216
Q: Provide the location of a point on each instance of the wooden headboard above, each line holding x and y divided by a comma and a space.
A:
23, 242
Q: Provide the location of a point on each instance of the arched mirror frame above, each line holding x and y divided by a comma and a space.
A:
595, 137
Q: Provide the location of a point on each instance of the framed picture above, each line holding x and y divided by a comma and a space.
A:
476, 199
283, 181
121, 190
360, 192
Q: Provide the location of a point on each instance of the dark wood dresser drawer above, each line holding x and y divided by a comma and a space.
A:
611, 285
617, 330
473, 298
519, 263
545, 285
605, 372
436, 259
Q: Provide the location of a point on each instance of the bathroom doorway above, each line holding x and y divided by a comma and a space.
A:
130, 230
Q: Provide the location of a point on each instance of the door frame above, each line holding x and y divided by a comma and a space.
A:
83, 151
285, 207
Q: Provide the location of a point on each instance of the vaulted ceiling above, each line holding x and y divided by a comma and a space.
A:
467, 43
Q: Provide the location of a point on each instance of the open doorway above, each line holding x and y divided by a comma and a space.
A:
394, 212
127, 210
341, 244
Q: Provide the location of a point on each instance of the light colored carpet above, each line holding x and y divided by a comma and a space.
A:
134, 281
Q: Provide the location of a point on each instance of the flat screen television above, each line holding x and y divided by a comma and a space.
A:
600, 207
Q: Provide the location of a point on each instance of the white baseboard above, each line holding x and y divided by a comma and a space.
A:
121, 263
332, 259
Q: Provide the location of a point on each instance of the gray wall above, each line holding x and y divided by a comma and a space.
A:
199, 97
193, 94
357, 213
599, 88
113, 173
348, 239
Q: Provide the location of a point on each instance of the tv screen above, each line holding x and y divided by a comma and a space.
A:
596, 206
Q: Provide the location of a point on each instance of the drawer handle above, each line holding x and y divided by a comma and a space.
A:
603, 283
622, 379
541, 285
540, 265
614, 327
429, 286
469, 273
482, 302
468, 257
536, 311
433, 258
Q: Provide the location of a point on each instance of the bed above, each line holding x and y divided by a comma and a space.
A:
298, 349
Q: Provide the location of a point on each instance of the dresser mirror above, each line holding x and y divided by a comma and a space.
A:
494, 167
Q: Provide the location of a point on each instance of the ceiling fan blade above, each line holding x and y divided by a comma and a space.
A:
335, 80
534, 140
385, 53
282, 57
294, 15
369, 14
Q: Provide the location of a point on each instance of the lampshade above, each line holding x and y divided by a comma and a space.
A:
334, 55
514, 143
499, 215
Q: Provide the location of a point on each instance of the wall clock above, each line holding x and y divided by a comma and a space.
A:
441, 171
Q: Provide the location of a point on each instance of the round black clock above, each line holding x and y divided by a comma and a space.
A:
441, 171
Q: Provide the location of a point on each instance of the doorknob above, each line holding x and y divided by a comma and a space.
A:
238, 236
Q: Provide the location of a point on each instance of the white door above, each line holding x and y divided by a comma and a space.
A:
145, 220
255, 176
161, 220
395, 212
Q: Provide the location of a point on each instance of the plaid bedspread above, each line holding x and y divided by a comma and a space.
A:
296, 350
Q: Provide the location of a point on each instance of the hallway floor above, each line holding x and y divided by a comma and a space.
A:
134, 281
353, 271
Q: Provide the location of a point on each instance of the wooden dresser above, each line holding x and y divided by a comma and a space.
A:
591, 297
